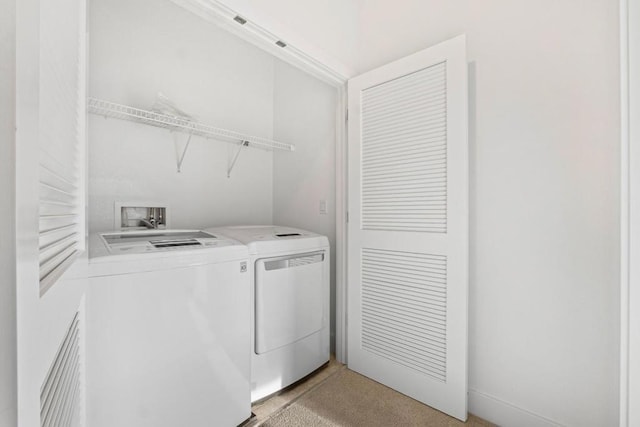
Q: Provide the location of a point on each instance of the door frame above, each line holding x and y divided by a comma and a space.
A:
341, 224
629, 212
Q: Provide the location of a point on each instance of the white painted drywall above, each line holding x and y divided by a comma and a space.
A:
544, 143
8, 390
141, 47
305, 114
327, 30
630, 415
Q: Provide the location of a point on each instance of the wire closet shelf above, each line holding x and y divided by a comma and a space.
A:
125, 112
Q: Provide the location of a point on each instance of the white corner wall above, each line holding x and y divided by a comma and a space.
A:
141, 47
8, 351
544, 150
305, 115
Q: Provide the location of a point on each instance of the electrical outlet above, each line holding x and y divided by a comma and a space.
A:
323, 207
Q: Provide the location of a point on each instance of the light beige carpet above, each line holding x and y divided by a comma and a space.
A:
350, 399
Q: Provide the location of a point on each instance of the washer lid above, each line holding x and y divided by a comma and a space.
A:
154, 250
154, 241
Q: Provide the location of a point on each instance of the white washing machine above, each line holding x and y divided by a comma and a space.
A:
168, 330
290, 316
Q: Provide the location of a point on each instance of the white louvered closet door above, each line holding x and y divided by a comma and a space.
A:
50, 198
61, 138
408, 226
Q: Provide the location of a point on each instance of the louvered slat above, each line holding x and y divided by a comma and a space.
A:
59, 398
61, 113
404, 308
404, 153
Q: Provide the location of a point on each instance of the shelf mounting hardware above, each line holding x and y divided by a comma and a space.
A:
184, 152
235, 158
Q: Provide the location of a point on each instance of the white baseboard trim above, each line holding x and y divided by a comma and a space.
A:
505, 414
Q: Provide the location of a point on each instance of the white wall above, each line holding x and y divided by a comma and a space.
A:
141, 47
326, 29
630, 389
8, 389
544, 143
305, 114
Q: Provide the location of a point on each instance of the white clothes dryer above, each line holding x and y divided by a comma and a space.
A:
168, 330
290, 291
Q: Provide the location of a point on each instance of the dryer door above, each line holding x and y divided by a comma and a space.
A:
288, 299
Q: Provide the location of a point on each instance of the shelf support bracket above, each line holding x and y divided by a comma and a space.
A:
184, 152
235, 158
